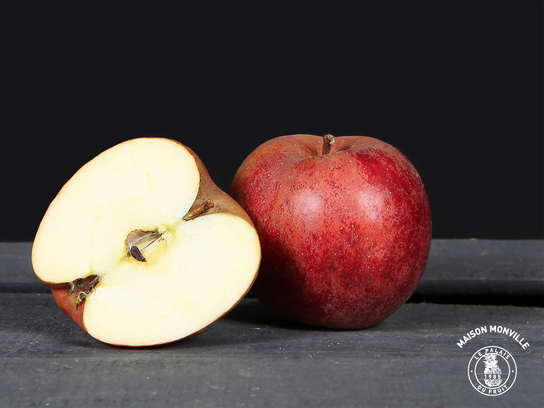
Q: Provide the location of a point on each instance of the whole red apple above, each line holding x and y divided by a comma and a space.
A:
344, 224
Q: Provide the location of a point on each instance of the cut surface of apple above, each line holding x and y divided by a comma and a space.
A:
141, 248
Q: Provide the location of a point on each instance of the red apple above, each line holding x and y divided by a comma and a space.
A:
344, 224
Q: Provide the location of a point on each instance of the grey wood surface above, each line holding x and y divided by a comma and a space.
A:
251, 358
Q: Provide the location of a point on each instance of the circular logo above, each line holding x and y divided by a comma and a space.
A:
492, 371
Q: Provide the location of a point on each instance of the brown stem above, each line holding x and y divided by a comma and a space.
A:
198, 210
328, 141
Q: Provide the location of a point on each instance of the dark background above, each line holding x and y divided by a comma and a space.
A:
456, 86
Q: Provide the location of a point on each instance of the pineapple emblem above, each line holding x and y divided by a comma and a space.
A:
492, 371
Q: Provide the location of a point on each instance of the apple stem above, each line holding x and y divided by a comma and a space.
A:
328, 141
198, 210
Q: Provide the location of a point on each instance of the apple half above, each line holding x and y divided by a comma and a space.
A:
141, 248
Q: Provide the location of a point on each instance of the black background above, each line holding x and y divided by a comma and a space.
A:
456, 86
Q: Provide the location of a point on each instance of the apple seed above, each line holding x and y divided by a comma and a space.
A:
136, 254
141, 237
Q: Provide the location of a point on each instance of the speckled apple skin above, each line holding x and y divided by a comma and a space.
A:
345, 237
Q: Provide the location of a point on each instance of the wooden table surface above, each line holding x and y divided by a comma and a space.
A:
251, 358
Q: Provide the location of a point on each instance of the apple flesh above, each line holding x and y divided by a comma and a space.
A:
345, 227
140, 247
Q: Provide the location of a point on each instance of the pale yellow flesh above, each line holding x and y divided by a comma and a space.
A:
197, 272
208, 266
140, 184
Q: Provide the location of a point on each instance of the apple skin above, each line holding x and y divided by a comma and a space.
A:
66, 299
345, 236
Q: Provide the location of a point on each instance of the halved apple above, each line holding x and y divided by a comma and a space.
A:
140, 247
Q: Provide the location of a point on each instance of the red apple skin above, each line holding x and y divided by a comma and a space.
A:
345, 236
66, 302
